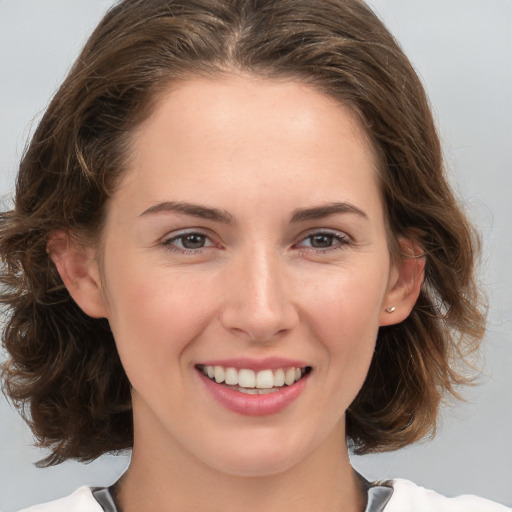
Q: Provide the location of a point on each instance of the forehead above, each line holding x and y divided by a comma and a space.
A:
265, 106
275, 135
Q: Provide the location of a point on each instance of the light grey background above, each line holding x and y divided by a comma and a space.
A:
463, 51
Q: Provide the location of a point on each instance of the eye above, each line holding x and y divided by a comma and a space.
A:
324, 240
321, 241
191, 241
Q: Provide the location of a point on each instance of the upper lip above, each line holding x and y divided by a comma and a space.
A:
267, 363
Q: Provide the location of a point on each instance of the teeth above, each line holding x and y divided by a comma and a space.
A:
265, 379
289, 376
279, 377
219, 374
249, 391
246, 379
251, 382
231, 377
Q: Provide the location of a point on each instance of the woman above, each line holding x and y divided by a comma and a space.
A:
234, 250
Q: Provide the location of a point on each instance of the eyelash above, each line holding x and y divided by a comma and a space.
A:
342, 240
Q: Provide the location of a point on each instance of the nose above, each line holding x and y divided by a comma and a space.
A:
259, 302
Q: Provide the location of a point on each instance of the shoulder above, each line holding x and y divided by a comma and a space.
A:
81, 500
409, 497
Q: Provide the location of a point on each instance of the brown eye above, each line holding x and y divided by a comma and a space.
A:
193, 241
321, 241
188, 242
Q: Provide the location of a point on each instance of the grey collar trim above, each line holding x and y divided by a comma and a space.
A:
378, 496
105, 498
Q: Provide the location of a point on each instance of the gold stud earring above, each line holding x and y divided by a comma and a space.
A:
391, 309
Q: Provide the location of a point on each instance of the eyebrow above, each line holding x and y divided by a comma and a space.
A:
320, 212
225, 217
195, 210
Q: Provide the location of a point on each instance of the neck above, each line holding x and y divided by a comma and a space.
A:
170, 479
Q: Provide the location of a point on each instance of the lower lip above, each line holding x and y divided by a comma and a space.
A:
254, 405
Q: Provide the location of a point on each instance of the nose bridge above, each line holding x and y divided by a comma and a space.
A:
265, 279
259, 303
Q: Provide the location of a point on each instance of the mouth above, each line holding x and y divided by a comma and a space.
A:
247, 381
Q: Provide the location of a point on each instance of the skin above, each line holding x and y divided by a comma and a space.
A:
259, 151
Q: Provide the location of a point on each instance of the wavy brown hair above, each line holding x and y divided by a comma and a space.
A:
63, 370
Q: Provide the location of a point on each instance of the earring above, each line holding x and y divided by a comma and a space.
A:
391, 309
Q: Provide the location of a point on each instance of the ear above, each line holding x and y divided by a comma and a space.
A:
406, 278
79, 272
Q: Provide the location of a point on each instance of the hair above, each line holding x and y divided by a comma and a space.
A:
63, 370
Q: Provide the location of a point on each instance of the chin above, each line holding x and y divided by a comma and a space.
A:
258, 456
258, 466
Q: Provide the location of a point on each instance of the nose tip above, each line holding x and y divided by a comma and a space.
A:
259, 305
256, 322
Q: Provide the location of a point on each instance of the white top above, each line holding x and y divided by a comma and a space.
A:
407, 497
80, 501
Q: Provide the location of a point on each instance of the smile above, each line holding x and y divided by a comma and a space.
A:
253, 382
258, 391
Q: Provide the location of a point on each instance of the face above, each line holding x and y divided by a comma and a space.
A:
246, 241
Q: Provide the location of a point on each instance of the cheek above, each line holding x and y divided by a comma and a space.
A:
155, 313
345, 300
345, 318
